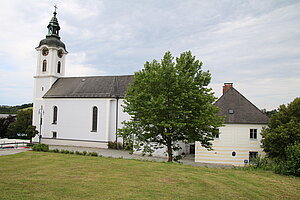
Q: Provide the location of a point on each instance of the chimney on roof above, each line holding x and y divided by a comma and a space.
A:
226, 87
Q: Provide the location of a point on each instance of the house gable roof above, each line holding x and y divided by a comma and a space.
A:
237, 109
90, 87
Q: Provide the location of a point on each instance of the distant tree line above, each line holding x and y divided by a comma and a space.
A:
13, 109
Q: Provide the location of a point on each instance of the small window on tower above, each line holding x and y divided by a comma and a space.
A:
44, 65
58, 67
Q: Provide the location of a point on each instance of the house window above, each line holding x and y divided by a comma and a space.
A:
253, 133
44, 65
54, 135
230, 111
54, 115
58, 66
252, 156
94, 119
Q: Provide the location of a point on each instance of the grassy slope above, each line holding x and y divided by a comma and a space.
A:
39, 175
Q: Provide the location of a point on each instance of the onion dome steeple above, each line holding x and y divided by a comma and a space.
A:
53, 27
52, 38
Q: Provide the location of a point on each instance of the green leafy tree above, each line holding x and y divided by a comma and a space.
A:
22, 127
31, 132
283, 130
291, 165
4, 123
171, 102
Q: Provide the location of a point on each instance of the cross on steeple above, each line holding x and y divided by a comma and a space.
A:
55, 7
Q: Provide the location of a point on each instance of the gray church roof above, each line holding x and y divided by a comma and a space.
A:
90, 87
239, 110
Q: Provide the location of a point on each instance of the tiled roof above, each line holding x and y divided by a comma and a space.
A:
237, 109
90, 87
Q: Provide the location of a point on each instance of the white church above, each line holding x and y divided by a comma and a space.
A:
87, 111
79, 111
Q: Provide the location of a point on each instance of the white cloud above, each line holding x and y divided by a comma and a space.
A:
254, 44
77, 66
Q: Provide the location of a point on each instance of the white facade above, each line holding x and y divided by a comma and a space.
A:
74, 121
232, 138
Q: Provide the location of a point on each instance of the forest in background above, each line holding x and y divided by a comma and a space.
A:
4, 109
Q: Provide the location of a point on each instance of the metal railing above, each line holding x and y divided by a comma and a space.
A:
14, 145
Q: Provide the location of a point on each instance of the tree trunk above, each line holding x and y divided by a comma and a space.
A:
170, 151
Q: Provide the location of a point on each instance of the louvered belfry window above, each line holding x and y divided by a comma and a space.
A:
58, 66
44, 65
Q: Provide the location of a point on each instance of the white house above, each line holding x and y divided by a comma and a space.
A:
79, 111
239, 139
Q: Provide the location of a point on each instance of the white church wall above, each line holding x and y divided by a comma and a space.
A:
74, 123
123, 116
232, 138
112, 120
75, 119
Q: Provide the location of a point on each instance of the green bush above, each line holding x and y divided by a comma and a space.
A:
94, 154
40, 147
56, 150
78, 153
263, 163
84, 153
66, 152
290, 166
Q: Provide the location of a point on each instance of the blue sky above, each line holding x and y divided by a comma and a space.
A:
254, 44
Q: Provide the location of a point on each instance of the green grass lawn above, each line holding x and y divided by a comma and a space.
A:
40, 175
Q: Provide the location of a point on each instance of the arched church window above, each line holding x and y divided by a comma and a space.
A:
95, 119
54, 115
58, 66
44, 65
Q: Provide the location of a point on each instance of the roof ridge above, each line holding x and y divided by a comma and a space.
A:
92, 76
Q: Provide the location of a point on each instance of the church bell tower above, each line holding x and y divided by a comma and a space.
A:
51, 54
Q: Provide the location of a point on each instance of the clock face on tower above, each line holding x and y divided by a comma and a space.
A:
45, 51
60, 53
